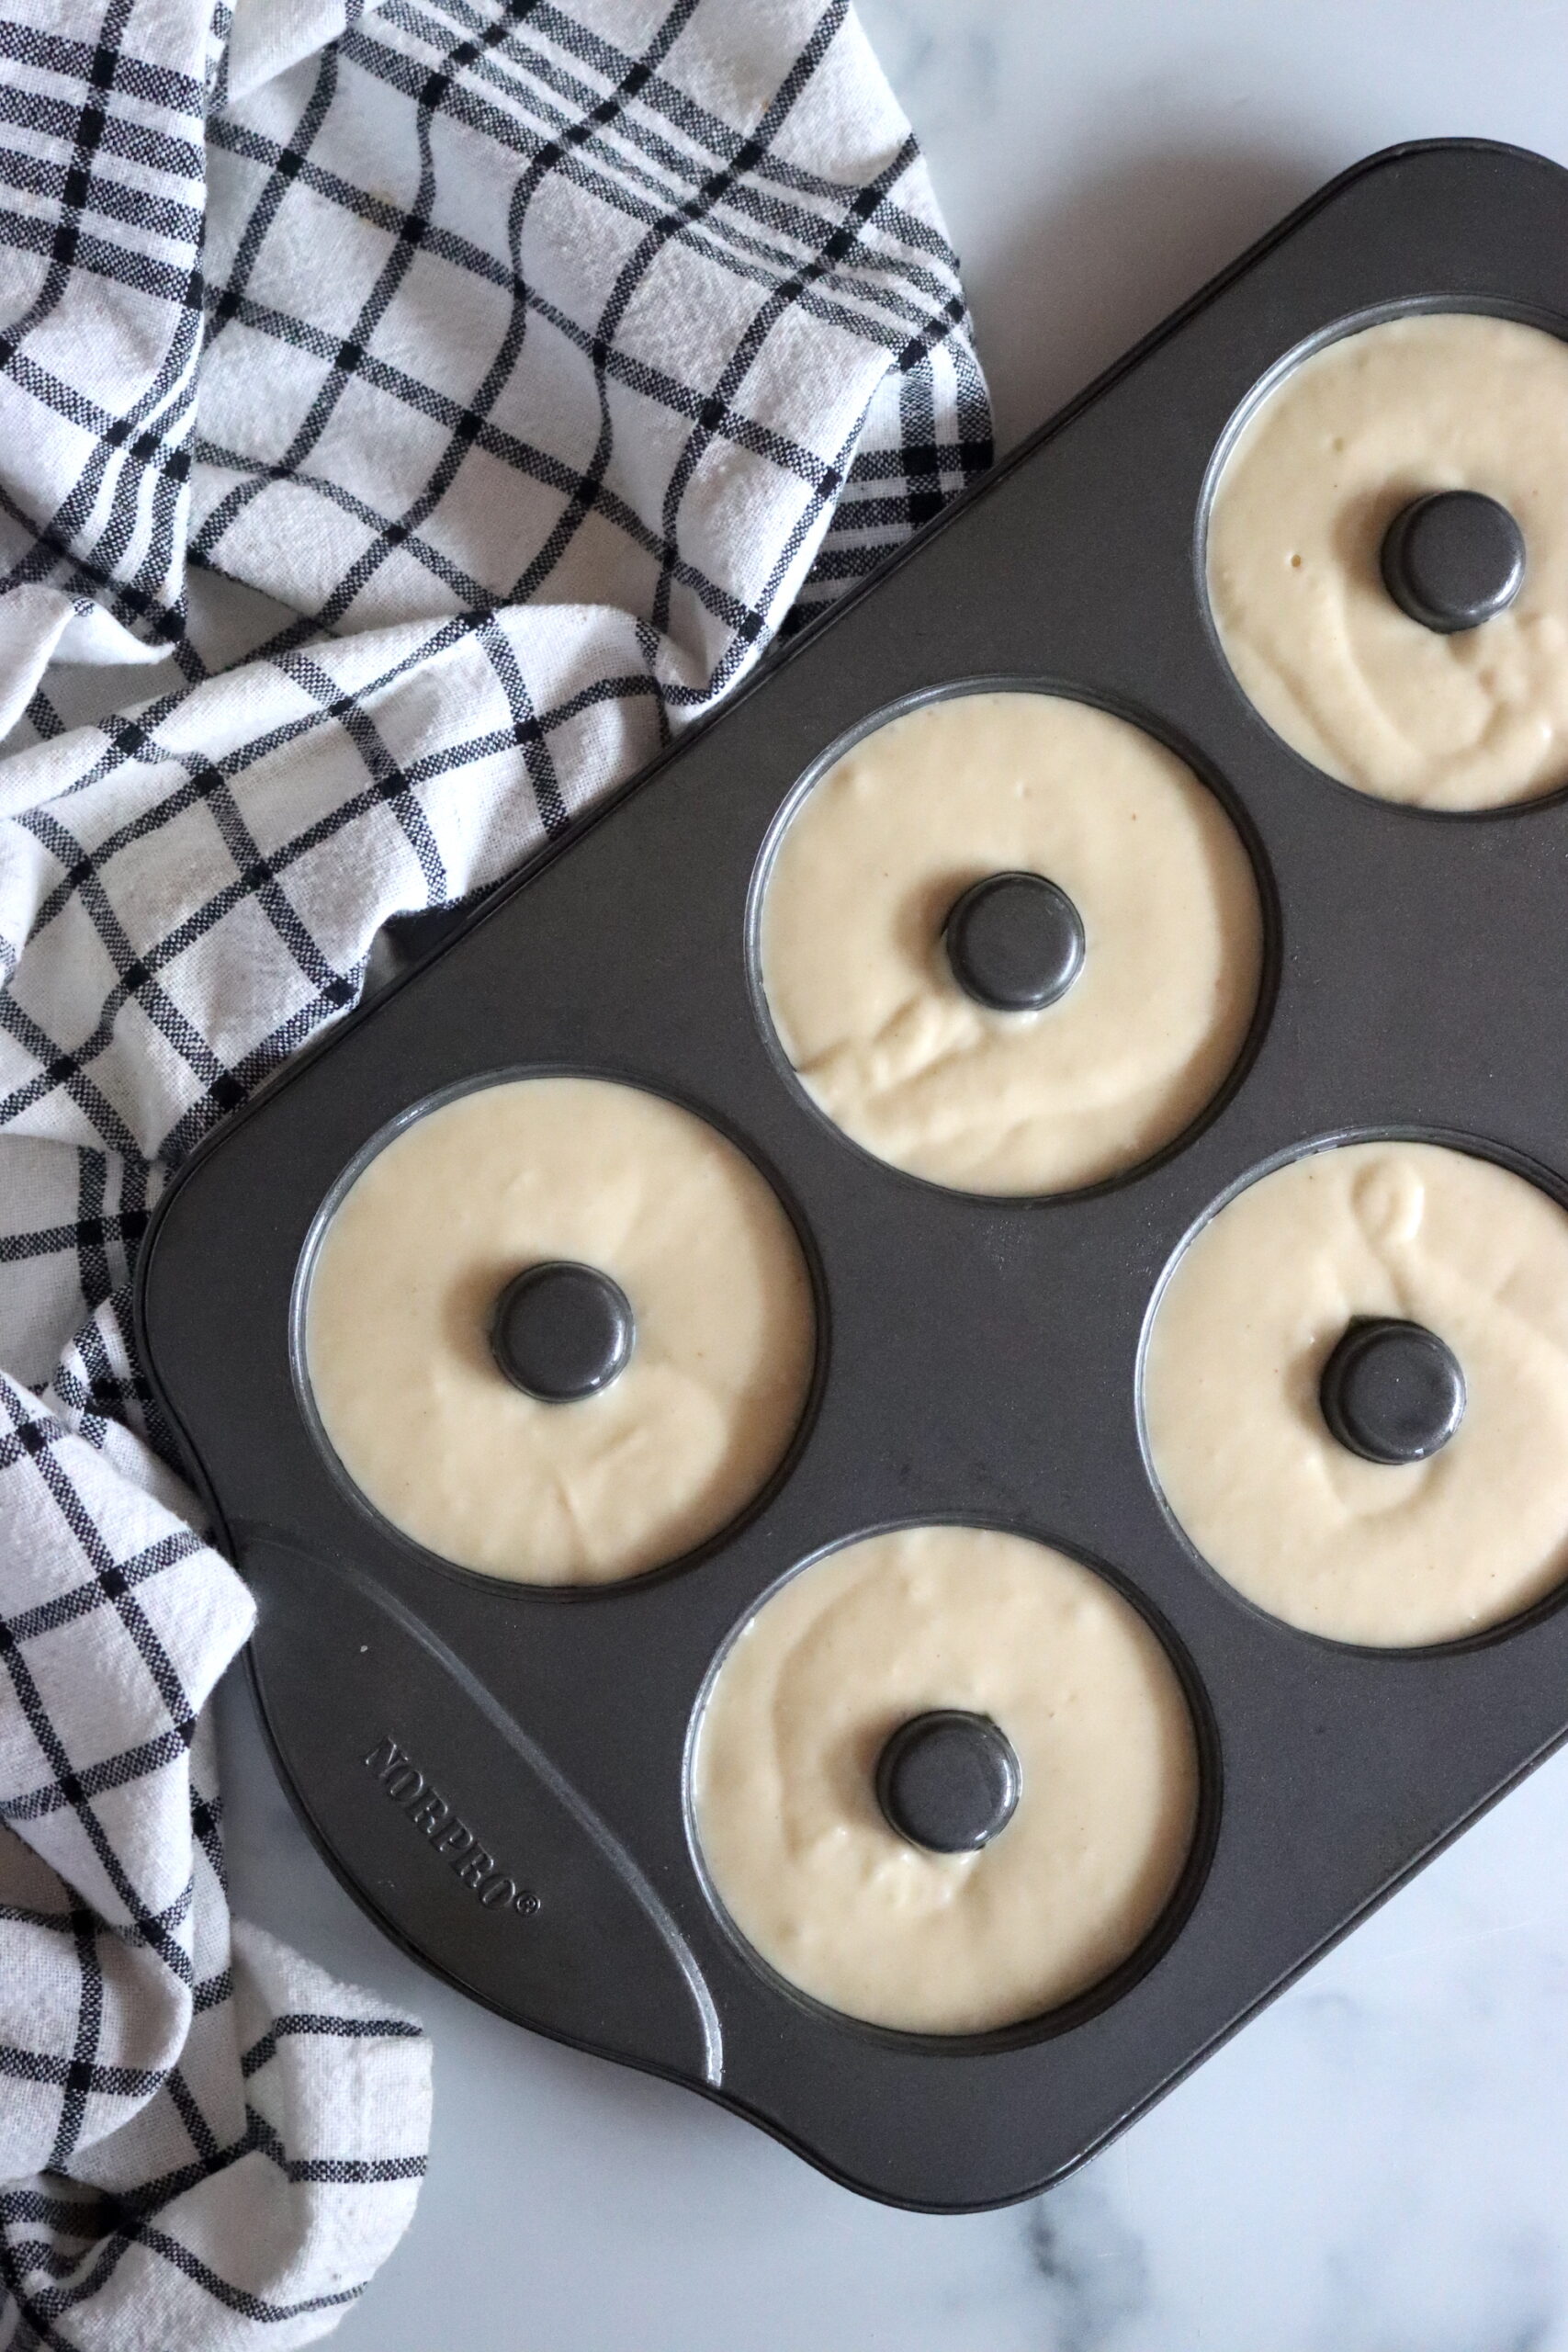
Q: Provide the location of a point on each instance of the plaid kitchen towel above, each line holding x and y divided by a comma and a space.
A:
409, 415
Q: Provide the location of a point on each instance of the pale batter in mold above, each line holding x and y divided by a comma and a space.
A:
1361, 1551
1440, 401
785, 1807
428, 1237
864, 999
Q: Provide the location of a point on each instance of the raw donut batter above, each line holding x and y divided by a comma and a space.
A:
397, 1330
784, 1779
1445, 401
1386, 1554
865, 1001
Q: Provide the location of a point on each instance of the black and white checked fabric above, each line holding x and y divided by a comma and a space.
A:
409, 415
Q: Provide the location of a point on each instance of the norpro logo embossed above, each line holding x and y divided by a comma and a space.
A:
459, 1848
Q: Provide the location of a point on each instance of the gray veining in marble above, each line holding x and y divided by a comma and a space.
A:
1381, 2163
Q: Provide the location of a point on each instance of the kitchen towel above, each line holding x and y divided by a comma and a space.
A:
410, 415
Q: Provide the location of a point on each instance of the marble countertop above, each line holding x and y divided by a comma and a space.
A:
1379, 2163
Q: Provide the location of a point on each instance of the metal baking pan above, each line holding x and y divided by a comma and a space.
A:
500, 1773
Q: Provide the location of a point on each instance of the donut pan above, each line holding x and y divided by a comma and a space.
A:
500, 1773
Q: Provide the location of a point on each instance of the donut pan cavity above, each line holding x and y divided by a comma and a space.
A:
500, 1773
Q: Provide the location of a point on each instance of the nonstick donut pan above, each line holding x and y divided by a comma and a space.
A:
500, 1773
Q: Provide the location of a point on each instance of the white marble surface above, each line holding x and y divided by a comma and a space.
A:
1381, 2163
